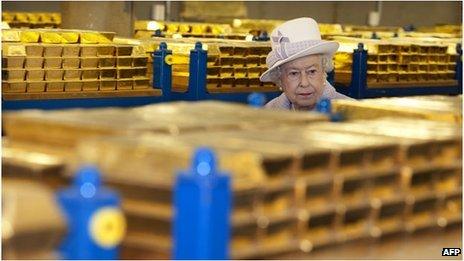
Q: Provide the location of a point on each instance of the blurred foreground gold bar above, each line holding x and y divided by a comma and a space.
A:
438, 108
25, 234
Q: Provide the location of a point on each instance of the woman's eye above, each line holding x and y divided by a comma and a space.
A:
312, 71
294, 73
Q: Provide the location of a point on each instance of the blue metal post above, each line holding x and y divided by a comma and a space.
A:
197, 76
202, 207
162, 72
359, 73
325, 106
96, 224
256, 100
459, 66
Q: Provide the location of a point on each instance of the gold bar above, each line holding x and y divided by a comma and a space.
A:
54, 75
89, 62
73, 86
73, 62
72, 74
13, 74
91, 85
52, 63
35, 87
55, 86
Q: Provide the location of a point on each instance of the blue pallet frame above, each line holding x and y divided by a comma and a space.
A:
197, 79
358, 86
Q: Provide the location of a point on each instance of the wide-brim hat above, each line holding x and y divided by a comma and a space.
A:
294, 39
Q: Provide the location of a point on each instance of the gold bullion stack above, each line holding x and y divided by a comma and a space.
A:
437, 108
146, 29
32, 19
232, 65
295, 188
39, 64
404, 62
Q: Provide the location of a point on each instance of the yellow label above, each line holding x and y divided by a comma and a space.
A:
107, 227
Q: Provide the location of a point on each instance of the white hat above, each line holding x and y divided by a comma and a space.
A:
294, 39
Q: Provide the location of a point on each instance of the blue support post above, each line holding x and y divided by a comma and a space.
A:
459, 66
197, 79
256, 100
162, 71
324, 106
202, 207
96, 225
359, 73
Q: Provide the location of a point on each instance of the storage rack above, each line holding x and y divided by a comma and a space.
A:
358, 88
197, 78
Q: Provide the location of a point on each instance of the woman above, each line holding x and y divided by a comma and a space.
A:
298, 64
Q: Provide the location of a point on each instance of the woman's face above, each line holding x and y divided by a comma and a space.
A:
303, 81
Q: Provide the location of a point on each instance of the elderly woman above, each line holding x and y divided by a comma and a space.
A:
298, 64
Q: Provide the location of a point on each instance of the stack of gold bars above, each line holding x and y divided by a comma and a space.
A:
38, 64
402, 62
232, 65
299, 182
437, 108
145, 29
32, 20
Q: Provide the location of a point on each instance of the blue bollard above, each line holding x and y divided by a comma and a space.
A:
256, 100
325, 106
96, 224
202, 208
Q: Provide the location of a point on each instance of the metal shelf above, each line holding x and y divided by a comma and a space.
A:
359, 89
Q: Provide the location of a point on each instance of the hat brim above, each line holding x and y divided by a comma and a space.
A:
325, 47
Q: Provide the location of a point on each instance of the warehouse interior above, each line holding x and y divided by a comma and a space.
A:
145, 130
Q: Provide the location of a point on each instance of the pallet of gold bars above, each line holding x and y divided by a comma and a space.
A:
232, 66
447, 108
32, 19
